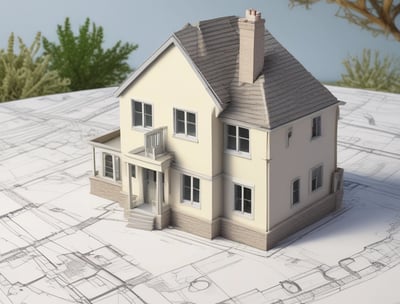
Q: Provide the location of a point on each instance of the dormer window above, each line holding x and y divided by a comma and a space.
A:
142, 114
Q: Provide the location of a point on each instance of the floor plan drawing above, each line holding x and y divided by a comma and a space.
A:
59, 244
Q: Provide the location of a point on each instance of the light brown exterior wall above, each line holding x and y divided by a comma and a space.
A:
194, 225
108, 190
239, 233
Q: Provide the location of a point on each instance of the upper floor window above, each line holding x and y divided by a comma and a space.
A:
185, 123
316, 127
316, 178
191, 189
243, 199
142, 114
237, 139
295, 191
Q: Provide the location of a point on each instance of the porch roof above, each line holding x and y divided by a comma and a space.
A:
109, 141
139, 158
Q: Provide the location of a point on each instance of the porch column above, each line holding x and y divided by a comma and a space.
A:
159, 193
130, 186
94, 160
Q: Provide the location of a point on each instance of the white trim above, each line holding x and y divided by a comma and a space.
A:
190, 202
242, 213
322, 178
319, 129
141, 127
236, 152
291, 192
173, 40
185, 135
116, 162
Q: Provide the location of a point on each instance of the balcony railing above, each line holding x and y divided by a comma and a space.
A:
155, 142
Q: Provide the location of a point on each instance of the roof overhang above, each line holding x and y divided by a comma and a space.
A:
110, 141
173, 40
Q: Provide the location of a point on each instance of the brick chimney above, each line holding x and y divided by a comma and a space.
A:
251, 50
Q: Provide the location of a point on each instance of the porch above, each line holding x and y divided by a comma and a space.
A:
138, 179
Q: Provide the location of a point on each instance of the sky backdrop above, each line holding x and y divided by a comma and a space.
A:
316, 37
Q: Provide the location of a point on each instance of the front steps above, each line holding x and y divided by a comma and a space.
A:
140, 219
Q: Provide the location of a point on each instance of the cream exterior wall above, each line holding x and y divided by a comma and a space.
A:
248, 171
166, 89
296, 160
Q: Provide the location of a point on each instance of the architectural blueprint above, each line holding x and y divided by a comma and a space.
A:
59, 244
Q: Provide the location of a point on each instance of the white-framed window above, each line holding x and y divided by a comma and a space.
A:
185, 123
237, 139
142, 114
111, 166
243, 199
316, 127
316, 178
190, 189
295, 191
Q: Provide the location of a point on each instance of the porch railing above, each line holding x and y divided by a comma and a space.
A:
155, 142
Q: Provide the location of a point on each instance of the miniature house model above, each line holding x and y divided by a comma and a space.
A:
222, 133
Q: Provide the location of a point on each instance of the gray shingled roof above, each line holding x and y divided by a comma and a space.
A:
285, 91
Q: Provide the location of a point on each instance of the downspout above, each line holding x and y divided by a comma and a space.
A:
268, 159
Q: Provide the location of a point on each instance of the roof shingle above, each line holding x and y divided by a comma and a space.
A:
284, 91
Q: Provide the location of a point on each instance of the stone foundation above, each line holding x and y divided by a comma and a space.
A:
194, 225
302, 219
242, 234
227, 228
108, 189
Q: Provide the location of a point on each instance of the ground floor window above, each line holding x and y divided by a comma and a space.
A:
243, 199
190, 189
316, 178
295, 191
112, 166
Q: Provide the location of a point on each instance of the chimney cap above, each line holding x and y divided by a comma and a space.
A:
253, 15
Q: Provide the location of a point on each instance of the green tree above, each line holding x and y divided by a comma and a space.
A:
372, 72
82, 58
25, 74
377, 16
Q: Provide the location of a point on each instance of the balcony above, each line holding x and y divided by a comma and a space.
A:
154, 142
153, 154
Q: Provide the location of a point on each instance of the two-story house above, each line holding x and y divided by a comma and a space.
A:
222, 133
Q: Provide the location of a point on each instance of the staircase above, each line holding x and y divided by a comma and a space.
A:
140, 219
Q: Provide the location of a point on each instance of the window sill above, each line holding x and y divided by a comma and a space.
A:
141, 129
109, 179
316, 190
249, 216
295, 205
186, 137
315, 137
238, 153
191, 204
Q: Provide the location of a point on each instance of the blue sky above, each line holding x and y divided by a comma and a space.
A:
315, 37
